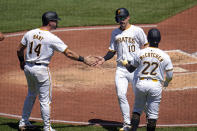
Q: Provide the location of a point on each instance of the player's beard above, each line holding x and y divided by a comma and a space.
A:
122, 25
54, 27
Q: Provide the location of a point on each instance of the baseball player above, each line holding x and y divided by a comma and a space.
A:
125, 41
1, 36
40, 45
151, 64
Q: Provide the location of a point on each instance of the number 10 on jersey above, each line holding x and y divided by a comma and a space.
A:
131, 48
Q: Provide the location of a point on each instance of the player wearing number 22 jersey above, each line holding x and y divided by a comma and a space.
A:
151, 64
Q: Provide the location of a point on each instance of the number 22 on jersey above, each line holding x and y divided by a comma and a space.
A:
150, 65
36, 49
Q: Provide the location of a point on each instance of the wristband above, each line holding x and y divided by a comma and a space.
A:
109, 55
81, 58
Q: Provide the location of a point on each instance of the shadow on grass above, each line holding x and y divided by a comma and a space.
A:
69, 127
108, 125
14, 126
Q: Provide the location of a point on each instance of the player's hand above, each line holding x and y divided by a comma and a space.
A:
165, 84
90, 60
22, 65
100, 61
1, 36
124, 62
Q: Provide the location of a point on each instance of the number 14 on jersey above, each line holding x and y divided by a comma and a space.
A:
36, 49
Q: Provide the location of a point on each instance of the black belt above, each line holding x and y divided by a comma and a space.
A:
37, 63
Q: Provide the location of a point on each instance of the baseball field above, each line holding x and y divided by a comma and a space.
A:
85, 95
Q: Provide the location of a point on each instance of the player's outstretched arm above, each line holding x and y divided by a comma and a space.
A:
89, 60
101, 60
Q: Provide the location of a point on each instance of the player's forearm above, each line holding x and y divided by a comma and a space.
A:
20, 56
20, 53
109, 55
169, 75
74, 56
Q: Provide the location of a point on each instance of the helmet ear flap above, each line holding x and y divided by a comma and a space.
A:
117, 19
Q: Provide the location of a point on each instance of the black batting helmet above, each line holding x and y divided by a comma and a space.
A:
49, 16
154, 36
121, 14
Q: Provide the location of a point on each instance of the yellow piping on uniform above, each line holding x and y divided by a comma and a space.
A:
112, 50
169, 70
49, 82
66, 49
128, 27
43, 29
49, 98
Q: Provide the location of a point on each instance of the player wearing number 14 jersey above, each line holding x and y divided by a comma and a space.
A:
40, 45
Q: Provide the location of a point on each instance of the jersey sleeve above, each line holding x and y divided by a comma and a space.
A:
59, 45
136, 59
142, 37
24, 40
112, 46
169, 66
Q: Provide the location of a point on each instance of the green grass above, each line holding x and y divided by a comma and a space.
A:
17, 15
12, 125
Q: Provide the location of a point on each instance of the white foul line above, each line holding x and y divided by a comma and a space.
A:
81, 29
100, 123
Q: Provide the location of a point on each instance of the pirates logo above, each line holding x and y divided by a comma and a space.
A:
118, 12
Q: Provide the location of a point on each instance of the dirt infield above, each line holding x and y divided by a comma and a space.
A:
87, 94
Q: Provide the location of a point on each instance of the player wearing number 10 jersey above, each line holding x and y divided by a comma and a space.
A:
126, 41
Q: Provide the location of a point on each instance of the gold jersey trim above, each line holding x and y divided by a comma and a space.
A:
43, 29
170, 70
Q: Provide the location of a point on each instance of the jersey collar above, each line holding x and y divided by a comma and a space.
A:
43, 29
126, 28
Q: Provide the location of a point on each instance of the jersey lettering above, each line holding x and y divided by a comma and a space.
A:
126, 40
155, 55
38, 37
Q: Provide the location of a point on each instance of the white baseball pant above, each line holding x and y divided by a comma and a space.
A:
148, 95
122, 79
39, 83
